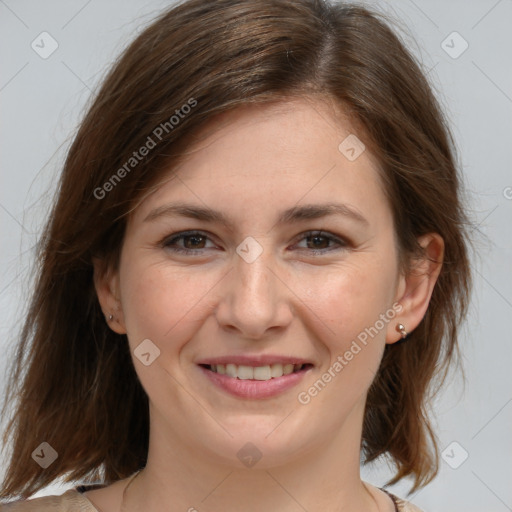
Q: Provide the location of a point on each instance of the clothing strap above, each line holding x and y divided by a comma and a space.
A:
88, 487
393, 498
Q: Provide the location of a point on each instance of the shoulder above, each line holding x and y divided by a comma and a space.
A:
70, 501
400, 504
405, 506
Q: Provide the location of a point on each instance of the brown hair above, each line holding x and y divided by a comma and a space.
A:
73, 379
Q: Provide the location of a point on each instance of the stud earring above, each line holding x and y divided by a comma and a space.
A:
110, 317
401, 329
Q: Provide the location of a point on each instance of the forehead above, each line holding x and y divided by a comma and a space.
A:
266, 156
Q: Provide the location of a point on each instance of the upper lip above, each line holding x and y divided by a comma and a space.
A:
256, 360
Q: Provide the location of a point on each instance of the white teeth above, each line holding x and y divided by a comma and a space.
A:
255, 372
262, 373
245, 372
276, 370
231, 370
287, 369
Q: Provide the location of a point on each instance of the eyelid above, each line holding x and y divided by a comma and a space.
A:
341, 241
179, 235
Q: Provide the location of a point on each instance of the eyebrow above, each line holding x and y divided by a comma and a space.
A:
289, 216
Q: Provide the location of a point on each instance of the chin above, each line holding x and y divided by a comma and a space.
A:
261, 445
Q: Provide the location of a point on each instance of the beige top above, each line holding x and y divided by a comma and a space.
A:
74, 501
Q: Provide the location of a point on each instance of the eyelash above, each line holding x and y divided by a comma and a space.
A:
169, 241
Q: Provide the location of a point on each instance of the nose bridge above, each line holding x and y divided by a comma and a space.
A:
254, 282
252, 261
254, 293
254, 276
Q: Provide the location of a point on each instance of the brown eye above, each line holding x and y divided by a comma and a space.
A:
319, 242
193, 242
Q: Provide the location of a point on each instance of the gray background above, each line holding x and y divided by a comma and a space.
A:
41, 103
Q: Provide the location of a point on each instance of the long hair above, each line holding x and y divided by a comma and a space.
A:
72, 383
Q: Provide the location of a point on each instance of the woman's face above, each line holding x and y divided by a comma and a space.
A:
261, 290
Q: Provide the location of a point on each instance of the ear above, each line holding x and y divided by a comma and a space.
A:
106, 283
415, 289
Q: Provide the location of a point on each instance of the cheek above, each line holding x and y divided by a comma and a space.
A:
352, 299
356, 305
159, 301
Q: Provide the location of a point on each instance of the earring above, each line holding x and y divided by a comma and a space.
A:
401, 329
110, 317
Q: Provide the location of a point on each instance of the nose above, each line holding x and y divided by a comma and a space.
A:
255, 298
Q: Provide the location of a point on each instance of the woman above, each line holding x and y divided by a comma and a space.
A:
255, 269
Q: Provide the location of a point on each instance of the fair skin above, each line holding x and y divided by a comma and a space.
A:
254, 164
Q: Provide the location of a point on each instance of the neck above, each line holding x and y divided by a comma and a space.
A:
179, 476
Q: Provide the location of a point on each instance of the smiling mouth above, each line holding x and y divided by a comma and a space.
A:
266, 372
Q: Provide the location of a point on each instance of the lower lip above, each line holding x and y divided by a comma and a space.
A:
255, 389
